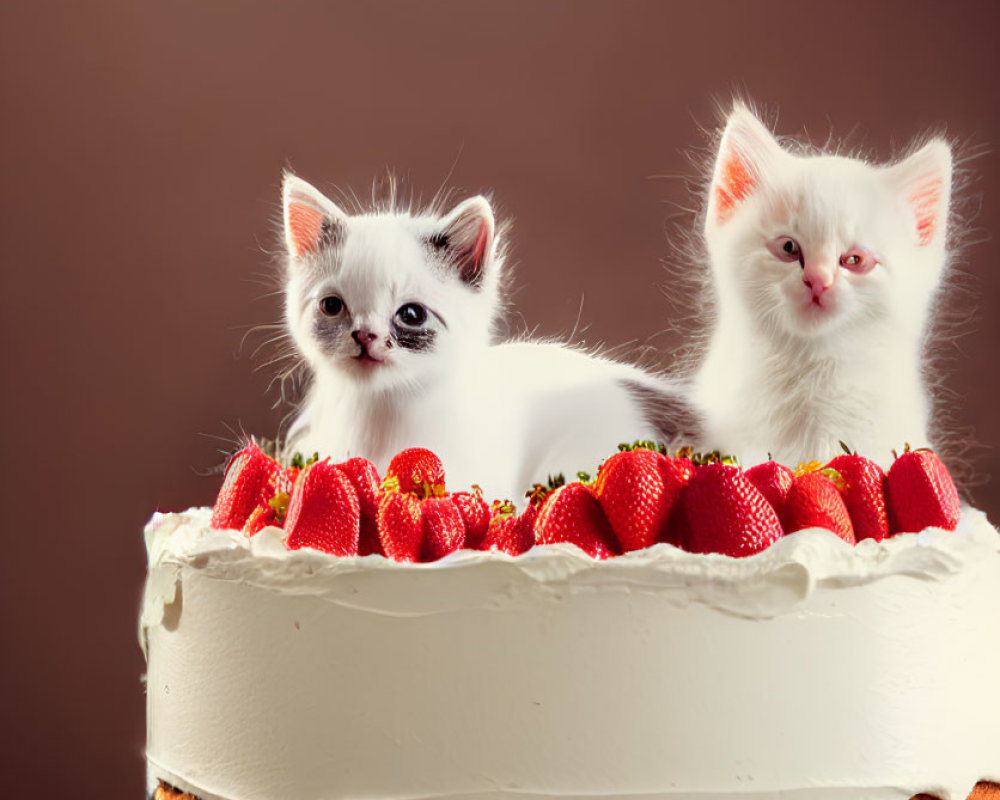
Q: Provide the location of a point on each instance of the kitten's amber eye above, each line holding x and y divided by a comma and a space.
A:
785, 248
331, 306
858, 260
412, 314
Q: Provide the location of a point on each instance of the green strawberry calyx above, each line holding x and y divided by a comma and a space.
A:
424, 491
299, 461
713, 457
643, 444
503, 508
805, 467
280, 505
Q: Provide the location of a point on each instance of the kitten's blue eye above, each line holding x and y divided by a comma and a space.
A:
785, 248
412, 314
331, 306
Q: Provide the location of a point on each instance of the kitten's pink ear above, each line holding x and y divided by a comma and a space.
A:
466, 239
310, 218
745, 153
923, 183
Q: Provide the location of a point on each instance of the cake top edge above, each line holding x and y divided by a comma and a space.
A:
760, 586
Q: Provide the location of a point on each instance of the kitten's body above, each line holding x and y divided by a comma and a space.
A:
809, 349
794, 402
499, 416
515, 415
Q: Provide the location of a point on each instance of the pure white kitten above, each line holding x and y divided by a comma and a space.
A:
393, 314
824, 270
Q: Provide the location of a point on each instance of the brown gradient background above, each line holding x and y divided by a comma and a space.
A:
142, 146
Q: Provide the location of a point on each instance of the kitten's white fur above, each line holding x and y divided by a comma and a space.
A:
788, 378
499, 416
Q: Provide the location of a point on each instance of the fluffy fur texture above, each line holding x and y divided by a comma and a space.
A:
824, 270
393, 313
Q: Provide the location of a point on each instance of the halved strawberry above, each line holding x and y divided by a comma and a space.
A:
415, 471
723, 512
573, 514
773, 481
400, 525
920, 493
638, 490
364, 478
252, 480
509, 531
443, 528
814, 501
475, 514
863, 490
324, 512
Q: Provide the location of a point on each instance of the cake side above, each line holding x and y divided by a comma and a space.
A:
814, 669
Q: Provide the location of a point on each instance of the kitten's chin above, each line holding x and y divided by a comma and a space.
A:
379, 376
370, 373
813, 319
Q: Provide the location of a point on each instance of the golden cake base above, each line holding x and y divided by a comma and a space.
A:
983, 791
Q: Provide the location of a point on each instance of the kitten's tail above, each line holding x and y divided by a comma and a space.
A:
668, 410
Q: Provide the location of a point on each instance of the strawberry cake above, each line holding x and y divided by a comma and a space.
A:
321, 634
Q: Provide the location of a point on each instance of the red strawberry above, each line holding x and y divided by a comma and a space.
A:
814, 501
415, 471
920, 493
723, 512
509, 531
324, 512
685, 466
573, 514
638, 490
364, 478
400, 525
443, 528
863, 491
773, 481
475, 514
252, 480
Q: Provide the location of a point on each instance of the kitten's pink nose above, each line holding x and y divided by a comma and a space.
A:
364, 336
818, 274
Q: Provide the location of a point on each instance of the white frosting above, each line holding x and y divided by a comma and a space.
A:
812, 670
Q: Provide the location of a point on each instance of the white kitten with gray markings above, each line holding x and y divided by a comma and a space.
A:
393, 313
825, 269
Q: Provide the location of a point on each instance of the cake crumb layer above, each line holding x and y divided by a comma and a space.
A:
167, 792
984, 790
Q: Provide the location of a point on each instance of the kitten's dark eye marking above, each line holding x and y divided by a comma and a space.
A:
412, 314
416, 340
331, 305
439, 241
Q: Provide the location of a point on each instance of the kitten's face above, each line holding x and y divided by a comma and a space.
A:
812, 245
387, 301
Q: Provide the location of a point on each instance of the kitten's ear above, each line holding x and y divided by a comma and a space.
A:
923, 183
310, 218
746, 151
466, 238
